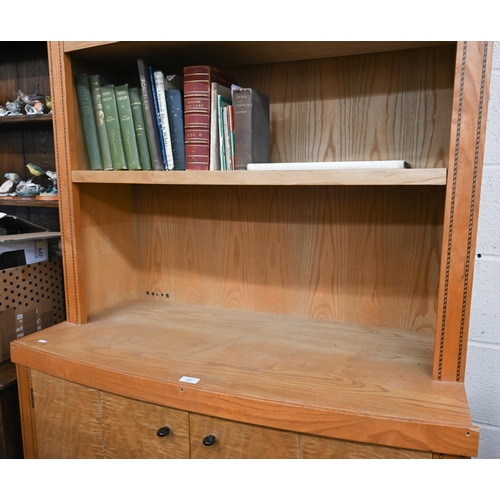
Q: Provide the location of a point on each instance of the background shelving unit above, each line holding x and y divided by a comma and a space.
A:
26, 138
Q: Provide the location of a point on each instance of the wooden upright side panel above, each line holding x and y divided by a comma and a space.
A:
26, 407
64, 119
468, 124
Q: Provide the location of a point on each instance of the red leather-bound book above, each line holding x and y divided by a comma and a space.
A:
197, 92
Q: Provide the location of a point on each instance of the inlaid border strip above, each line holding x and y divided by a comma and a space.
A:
65, 228
452, 211
472, 211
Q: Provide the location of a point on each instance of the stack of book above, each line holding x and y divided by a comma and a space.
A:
198, 121
132, 128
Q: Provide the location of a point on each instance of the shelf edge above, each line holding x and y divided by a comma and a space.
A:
384, 177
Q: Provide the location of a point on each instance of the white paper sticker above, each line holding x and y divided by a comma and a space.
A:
42, 341
189, 380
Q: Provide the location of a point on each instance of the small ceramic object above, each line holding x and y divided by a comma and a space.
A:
7, 188
12, 176
13, 107
28, 189
35, 169
39, 106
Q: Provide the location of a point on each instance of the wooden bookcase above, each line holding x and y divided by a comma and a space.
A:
325, 313
25, 139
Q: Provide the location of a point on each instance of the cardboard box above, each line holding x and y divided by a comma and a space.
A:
31, 299
22, 242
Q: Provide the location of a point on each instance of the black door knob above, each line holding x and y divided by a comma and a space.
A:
163, 431
209, 440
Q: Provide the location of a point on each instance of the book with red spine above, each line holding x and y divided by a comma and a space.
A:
197, 110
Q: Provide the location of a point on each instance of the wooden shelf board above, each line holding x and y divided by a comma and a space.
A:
26, 201
429, 176
123, 55
10, 120
344, 381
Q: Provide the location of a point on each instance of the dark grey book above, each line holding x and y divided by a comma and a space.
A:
251, 127
176, 122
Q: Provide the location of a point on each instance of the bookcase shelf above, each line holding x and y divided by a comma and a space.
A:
25, 119
346, 379
384, 177
20, 201
321, 310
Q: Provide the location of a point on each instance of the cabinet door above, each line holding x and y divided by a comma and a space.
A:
73, 421
320, 447
237, 440
67, 418
130, 429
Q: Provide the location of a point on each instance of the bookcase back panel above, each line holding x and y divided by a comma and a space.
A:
383, 106
358, 254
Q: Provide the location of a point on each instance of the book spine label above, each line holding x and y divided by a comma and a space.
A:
127, 127
140, 128
86, 107
162, 110
150, 115
197, 90
95, 84
113, 127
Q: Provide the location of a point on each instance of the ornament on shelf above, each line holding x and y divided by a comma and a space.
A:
28, 188
14, 108
27, 104
46, 179
8, 188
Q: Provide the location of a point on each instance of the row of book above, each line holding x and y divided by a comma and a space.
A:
201, 120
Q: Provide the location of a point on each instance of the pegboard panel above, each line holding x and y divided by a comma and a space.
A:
35, 286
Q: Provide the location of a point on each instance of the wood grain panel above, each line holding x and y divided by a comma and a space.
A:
109, 249
130, 429
69, 154
311, 376
374, 177
68, 418
174, 55
237, 440
28, 425
317, 447
383, 106
470, 103
367, 255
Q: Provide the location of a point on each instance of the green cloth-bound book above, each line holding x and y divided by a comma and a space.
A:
96, 82
127, 127
140, 128
112, 122
86, 107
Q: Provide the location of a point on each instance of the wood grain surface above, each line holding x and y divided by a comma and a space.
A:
375, 177
317, 377
470, 104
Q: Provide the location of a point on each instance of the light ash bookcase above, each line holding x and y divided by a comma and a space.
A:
320, 313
